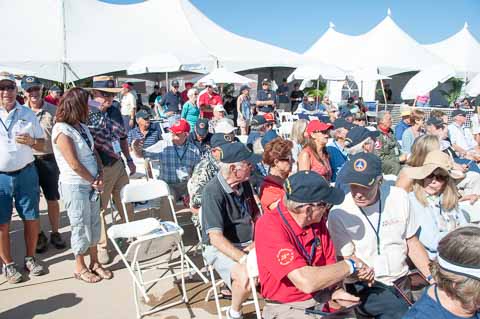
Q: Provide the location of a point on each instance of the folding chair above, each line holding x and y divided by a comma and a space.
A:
144, 191
152, 240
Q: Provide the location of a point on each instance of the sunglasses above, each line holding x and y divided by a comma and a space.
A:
438, 176
323, 132
107, 94
7, 87
321, 204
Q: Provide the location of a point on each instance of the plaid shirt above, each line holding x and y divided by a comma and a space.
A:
105, 128
177, 157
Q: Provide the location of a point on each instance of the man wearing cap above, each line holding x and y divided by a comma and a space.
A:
265, 98
225, 126
107, 128
144, 135
172, 101
184, 94
128, 106
228, 212
282, 93
404, 124
152, 97
295, 254
45, 163
259, 126
244, 109
387, 146
54, 95
375, 225
219, 113
307, 107
337, 153
200, 137
296, 97
20, 134
461, 137
207, 99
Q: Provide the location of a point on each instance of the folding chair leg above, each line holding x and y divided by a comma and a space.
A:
215, 293
182, 274
195, 268
255, 298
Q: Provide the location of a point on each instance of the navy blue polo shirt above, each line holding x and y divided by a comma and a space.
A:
266, 95
283, 88
154, 134
171, 102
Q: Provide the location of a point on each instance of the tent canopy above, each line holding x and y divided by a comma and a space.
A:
426, 80
91, 37
222, 76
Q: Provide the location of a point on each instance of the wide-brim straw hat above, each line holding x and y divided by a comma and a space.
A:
105, 83
434, 160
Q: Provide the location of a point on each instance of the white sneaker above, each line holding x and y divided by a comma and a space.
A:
229, 316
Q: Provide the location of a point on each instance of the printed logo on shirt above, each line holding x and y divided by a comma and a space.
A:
378, 144
391, 222
360, 165
285, 256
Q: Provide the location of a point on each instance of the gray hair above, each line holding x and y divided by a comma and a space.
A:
381, 115
291, 205
359, 147
224, 168
191, 92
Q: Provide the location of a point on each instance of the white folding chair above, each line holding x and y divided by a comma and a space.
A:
252, 270
147, 191
285, 129
152, 248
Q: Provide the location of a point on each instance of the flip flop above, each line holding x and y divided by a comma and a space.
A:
86, 276
102, 273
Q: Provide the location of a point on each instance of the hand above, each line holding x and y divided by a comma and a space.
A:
343, 298
132, 167
403, 158
137, 146
464, 168
98, 184
471, 197
364, 272
249, 247
25, 139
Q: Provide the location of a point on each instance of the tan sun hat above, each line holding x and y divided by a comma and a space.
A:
405, 110
434, 160
105, 83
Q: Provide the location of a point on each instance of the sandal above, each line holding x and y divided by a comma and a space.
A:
102, 272
86, 276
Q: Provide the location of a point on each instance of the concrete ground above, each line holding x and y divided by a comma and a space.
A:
59, 295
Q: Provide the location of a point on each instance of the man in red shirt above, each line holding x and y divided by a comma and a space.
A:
54, 95
296, 257
207, 99
184, 94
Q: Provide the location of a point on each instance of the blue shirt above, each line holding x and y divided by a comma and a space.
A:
407, 141
171, 102
252, 137
154, 134
337, 158
399, 129
267, 95
283, 89
177, 162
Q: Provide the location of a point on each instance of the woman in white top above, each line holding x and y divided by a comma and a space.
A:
81, 181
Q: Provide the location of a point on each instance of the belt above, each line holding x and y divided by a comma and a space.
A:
46, 157
18, 170
274, 302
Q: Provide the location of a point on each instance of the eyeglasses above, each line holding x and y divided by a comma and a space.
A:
438, 176
321, 204
7, 87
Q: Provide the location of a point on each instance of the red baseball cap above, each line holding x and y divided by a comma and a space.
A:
317, 125
180, 126
269, 117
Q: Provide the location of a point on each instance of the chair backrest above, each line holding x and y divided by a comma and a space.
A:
144, 191
252, 265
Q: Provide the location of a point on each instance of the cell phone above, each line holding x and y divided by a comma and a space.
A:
339, 312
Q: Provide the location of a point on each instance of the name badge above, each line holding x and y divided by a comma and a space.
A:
381, 265
116, 147
182, 173
11, 145
397, 152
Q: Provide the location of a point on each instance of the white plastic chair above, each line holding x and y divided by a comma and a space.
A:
147, 191
243, 138
252, 270
152, 248
285, 129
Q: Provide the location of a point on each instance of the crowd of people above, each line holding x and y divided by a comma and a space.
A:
340, 212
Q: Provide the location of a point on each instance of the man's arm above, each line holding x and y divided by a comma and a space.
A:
418, 255
311, 279
224, 245
126, 153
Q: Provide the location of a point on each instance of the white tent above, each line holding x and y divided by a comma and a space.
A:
473, 87
461, 50
427, 80
223, 76
317, 71
168, 62
83, 38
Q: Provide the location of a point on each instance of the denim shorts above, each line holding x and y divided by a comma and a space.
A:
84, 216
23, 187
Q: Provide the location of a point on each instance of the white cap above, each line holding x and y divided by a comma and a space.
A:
210, 82
224, 126
219, 108
7, 76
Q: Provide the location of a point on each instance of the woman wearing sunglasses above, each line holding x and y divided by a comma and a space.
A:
434, 199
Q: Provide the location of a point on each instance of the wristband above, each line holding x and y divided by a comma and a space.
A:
351, 265
429, 278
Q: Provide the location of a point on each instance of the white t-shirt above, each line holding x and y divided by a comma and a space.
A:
84, 153
462, 136
352, 234
128, 103
475, 120
18, 121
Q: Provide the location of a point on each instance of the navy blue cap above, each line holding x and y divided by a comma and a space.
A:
218, 139
362, 169
342, 123
29, 82
175, 83
459, 112
435, 121
142, 114
55, 88
358, 134
201, 127
268, 137
258, 120
311, 187
237, 152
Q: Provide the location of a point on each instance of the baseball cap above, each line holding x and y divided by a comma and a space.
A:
268, 137
311, 187
237, 152
224, 126
269, 117
258, 120
5, 76
266, 81
342, 123
175, 83
358, 134
405, 110
218, 139
219, 108
316, 125
105, 83
244, 87
459, 112
201, 127
363, 169
210, 82
435, 121
142, 114
55, 88
344, 112
29, 82
180, 126
188, 84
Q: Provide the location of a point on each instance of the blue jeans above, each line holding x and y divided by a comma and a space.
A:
472, 166
23, 187
84, 216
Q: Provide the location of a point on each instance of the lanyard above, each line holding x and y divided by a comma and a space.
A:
184, 152
84, 135
310, 257
375, 230
7, 129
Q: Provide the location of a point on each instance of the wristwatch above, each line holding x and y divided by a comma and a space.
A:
353, 266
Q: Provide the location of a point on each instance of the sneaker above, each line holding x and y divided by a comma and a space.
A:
12, 274
103, 256
229, 315
42, 243
57, 240
33, 267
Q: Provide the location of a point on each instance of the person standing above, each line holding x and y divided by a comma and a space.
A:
184, 94
296, 96
152, 97
265, 98
244, 109
171, 102
128, 106
207, 99
282, 93
106, 126
190, 110
20, 134
81, 179
45, 163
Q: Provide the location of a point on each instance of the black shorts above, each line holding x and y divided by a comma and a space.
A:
48, 176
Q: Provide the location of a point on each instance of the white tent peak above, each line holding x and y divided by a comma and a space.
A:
465, 25
331, 25
389, 12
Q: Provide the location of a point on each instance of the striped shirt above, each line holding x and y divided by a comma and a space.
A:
153, 135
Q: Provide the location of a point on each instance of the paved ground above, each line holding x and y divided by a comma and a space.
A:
59, 295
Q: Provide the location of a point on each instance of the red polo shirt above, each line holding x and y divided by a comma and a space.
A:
278, 254
207, 100
270, 192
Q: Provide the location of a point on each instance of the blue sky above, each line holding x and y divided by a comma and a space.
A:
296, 25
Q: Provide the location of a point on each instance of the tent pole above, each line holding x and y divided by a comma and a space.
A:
166, 81
64, 42
384, 95
318, 88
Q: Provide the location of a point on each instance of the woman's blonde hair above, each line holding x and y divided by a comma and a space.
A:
461, 247
298, 131
449, 193
422, 146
